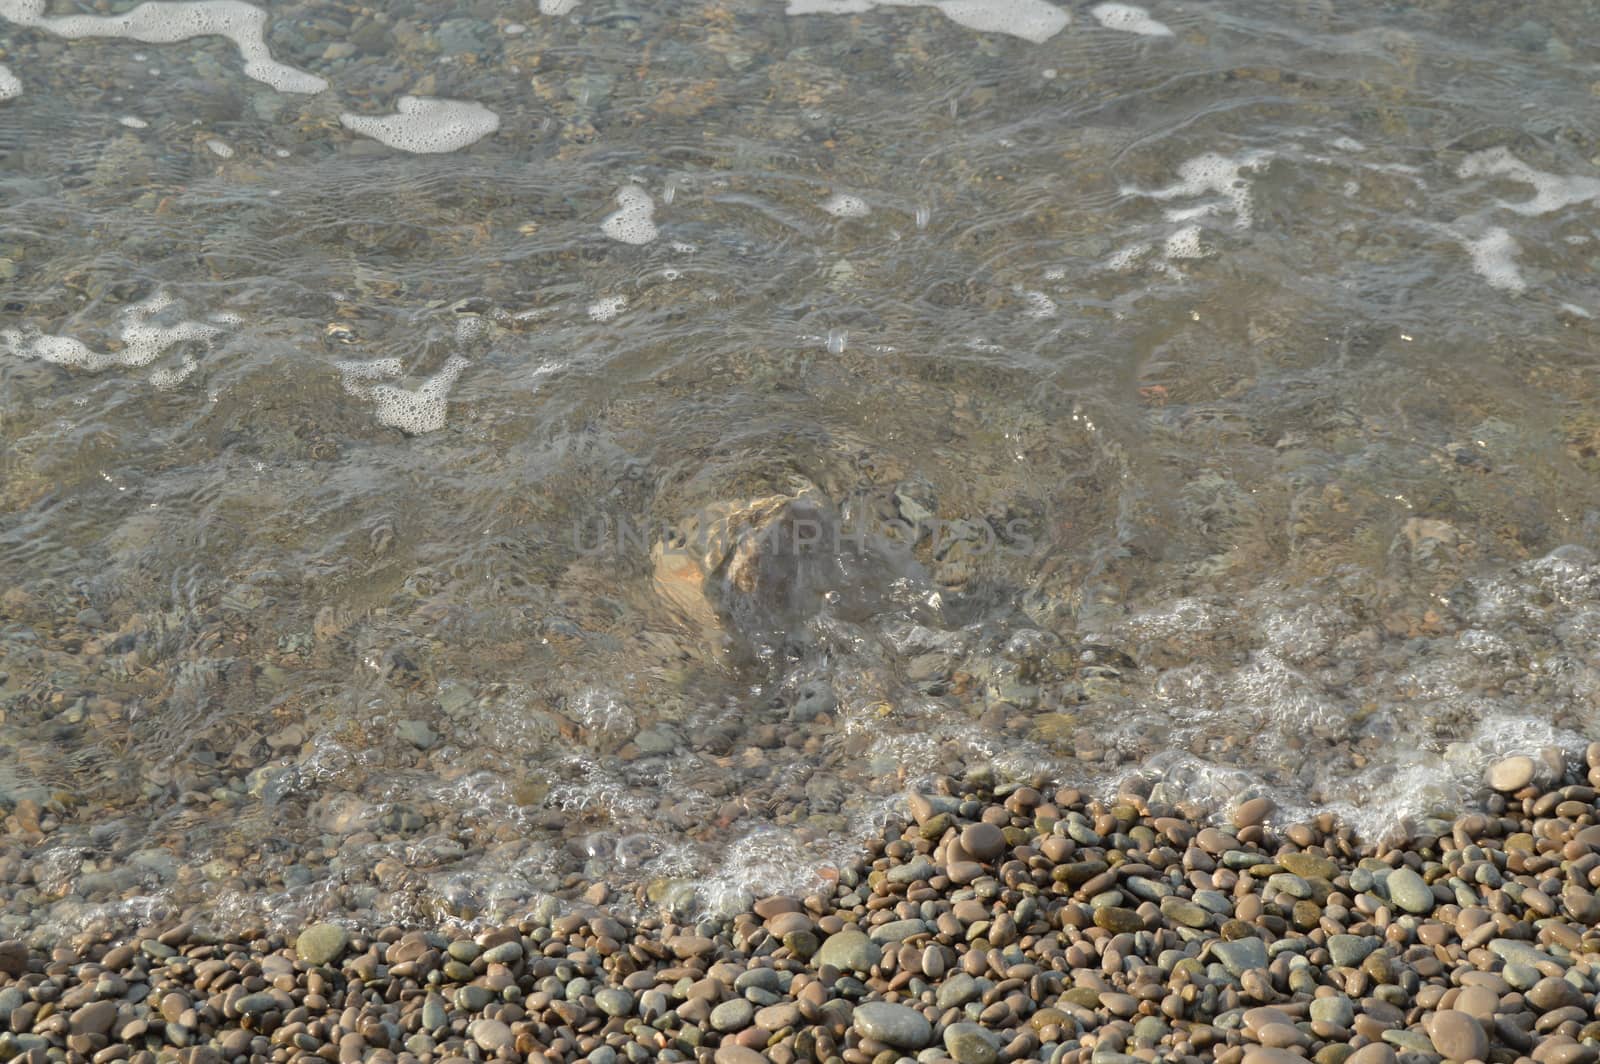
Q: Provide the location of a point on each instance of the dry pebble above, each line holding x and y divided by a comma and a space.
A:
994, 925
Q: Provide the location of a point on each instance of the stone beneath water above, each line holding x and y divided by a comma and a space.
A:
322, 943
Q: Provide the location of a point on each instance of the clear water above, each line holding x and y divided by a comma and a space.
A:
1241, 376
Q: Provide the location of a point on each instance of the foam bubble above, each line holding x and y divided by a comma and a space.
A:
608, 308
426, 124
557, 7
1129, 19
412, 412
1551, 192
219, 148
1040, 306
841, 205
133, 123
1494, 258
10, 86
1184, 244
634, 221
1032, 20
1214, 174
1127, 258
171, 21
143, 341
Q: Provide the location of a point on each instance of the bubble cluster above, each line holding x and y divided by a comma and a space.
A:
10, 86
841, 205
219, 148
1494, 258
143, 341
171, 21
634, 220
1551, 192
426, 124
1129, 19
413, 412
1216, 175
605, 309
557, 7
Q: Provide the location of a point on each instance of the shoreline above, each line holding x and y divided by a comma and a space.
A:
997, 924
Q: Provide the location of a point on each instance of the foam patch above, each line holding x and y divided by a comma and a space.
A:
608, 308
1032, 20
171, 21
557, 7
1129, 19
1494, 258
219, 148
1184, 244
634, 220
10, 87
843, 206
1212, 174
143, 341
1551, 192
412, 412
426, 124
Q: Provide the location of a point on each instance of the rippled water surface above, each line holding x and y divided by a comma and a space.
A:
454, 453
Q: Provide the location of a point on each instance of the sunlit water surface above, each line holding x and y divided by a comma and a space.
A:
363, 369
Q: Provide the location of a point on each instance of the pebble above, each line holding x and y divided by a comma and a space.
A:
1410, 892
1511, 774
895, 1025
1085, 934
1457, 1036
321, 944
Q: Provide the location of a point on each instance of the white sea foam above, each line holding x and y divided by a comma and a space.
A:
841, 205
557, 7
1129, 19
1551, 192
133, 123
10, 86
1494, 258
1216, 175
171, 21
219, 148
1032, 20
143, 341
426, 124
608, 308
411, 411
634, 220
1184, 244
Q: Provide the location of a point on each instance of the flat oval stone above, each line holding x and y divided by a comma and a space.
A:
1410, 892
969, 1043
1270, 1055
1510, 774
1376, 1053
1308, 865
321, 944
1479, 1002
1550, 993
896, 1025
982, 841
849, 951
1458, 1036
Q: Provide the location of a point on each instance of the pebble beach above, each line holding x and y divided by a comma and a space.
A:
996, 922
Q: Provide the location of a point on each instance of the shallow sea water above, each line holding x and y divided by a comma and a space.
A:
1194, 396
